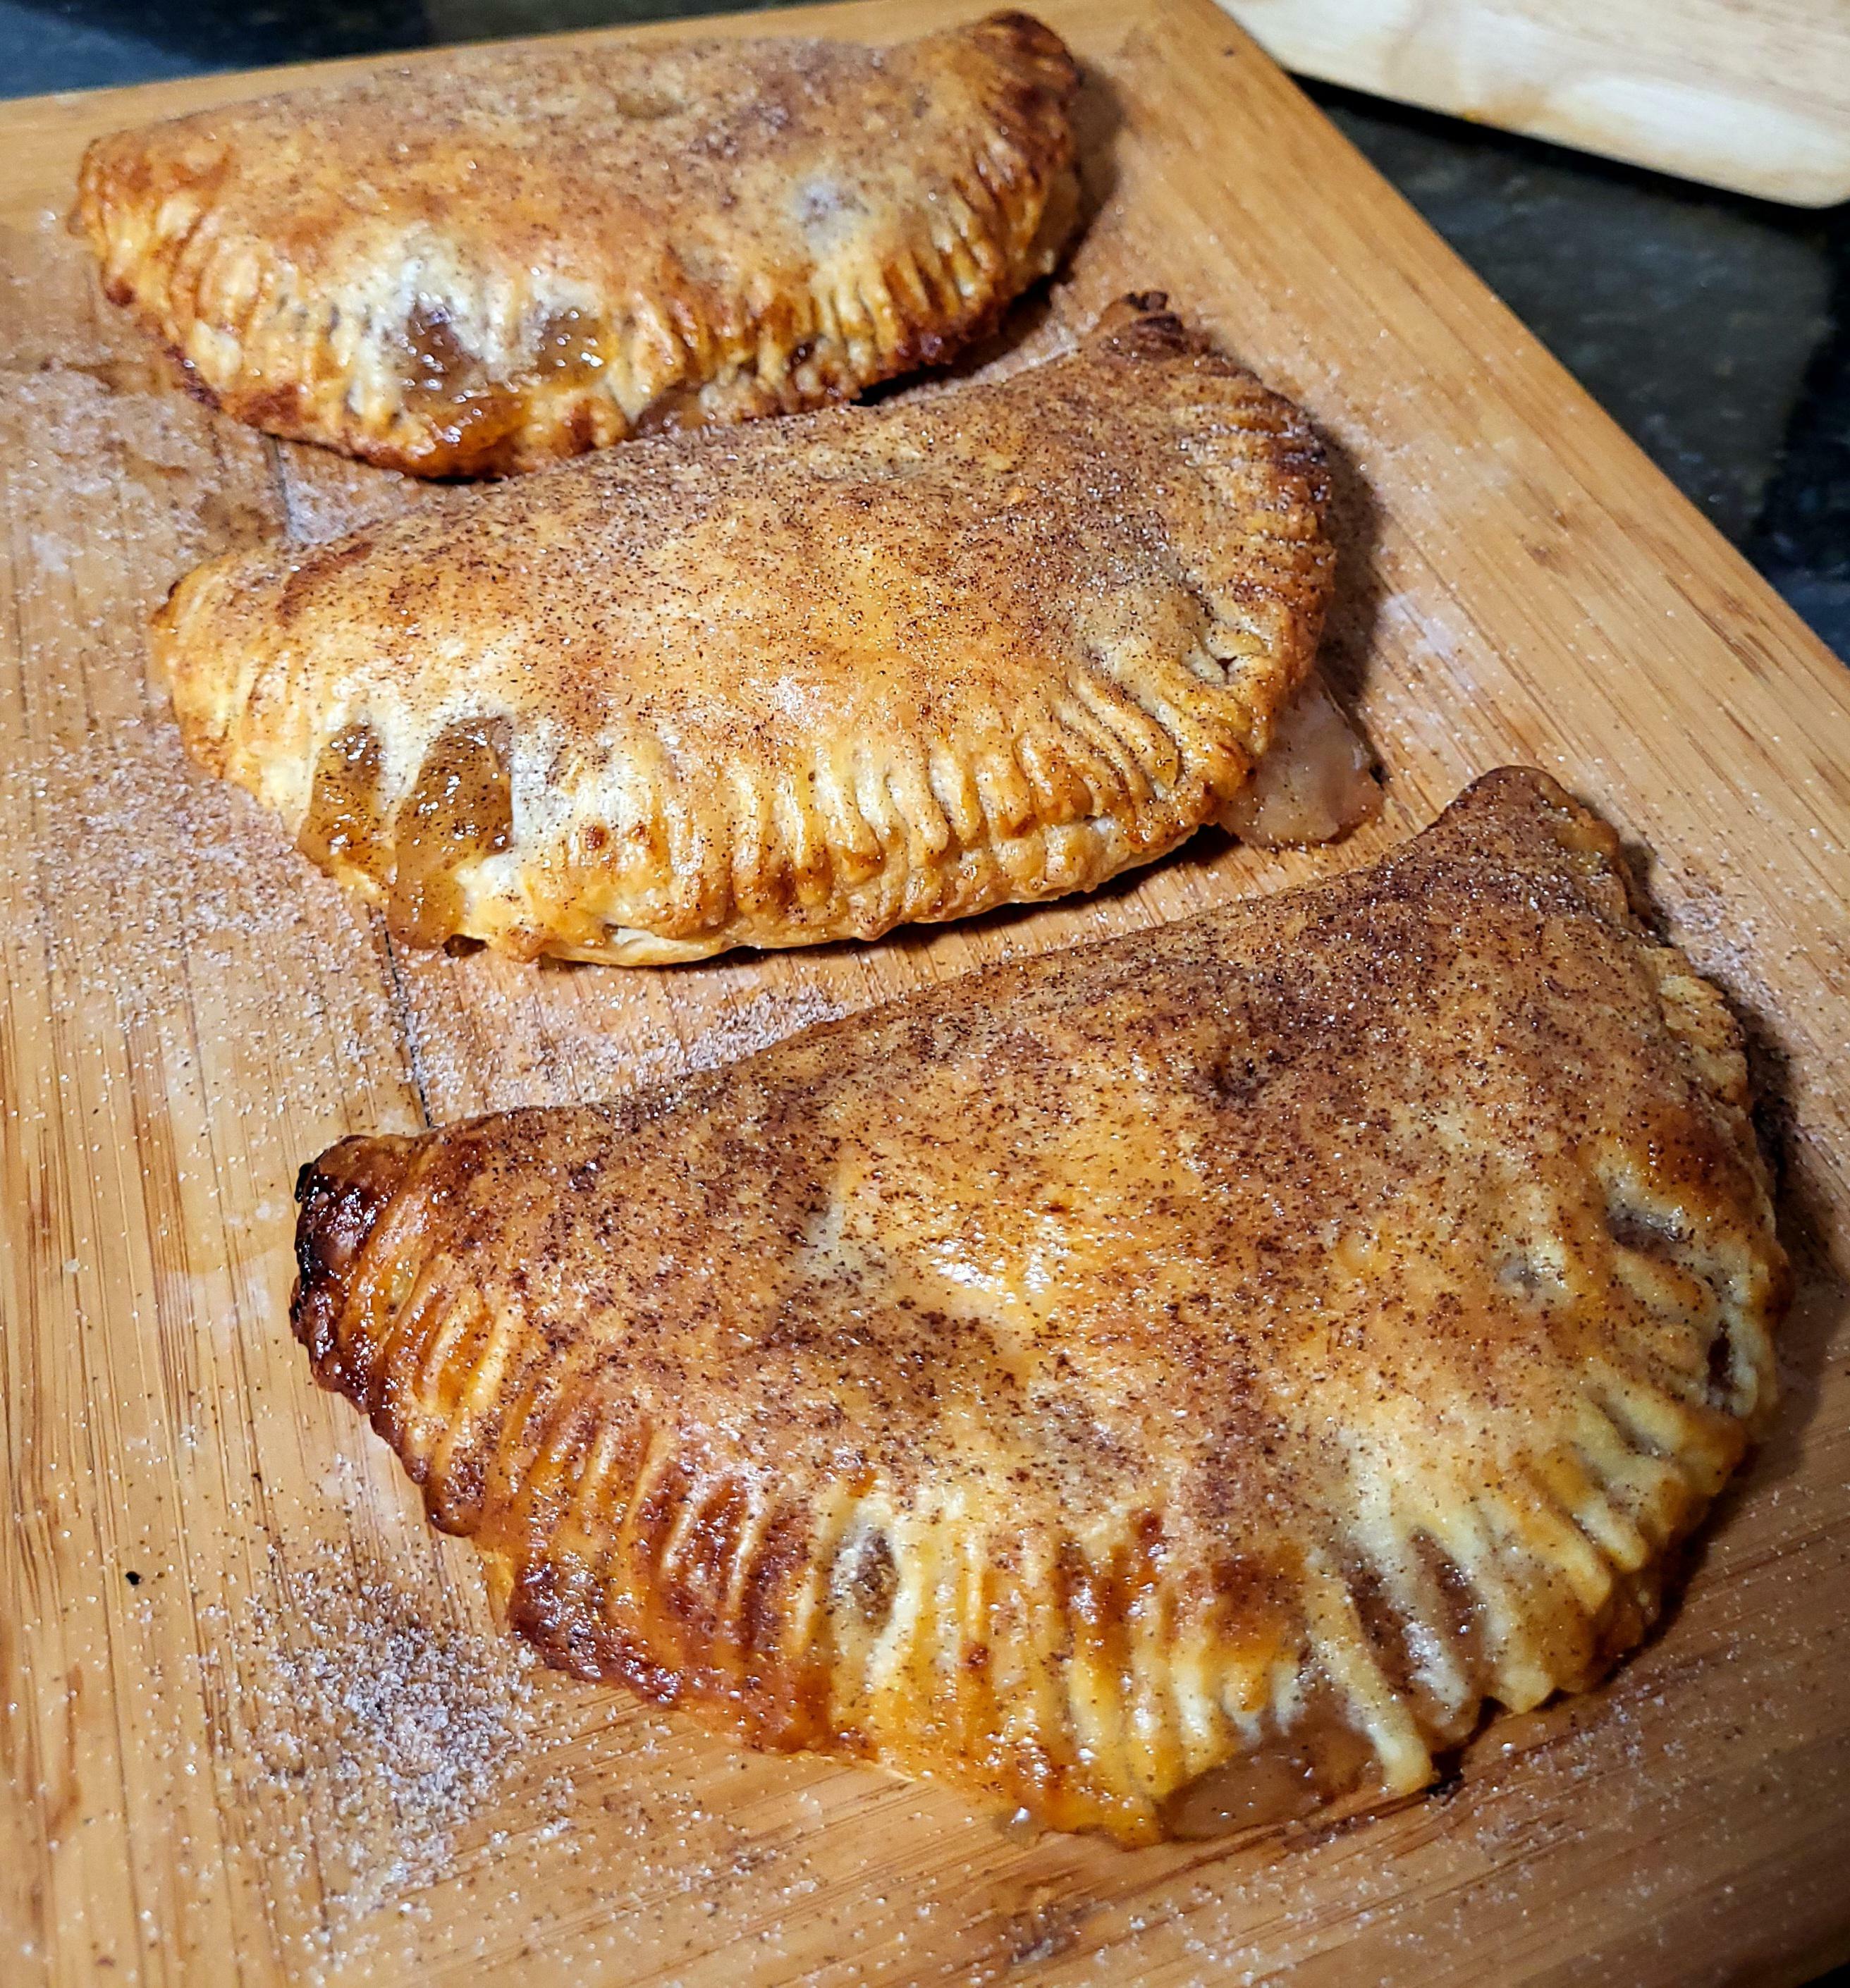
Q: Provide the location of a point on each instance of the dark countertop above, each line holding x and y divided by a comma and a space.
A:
1715, 328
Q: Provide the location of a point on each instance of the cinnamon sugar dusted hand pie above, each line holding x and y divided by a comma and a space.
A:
474, 265
802, 681
1164, 1386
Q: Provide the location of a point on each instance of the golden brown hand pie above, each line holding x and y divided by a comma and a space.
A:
1160, 1386
805, 680
478, 264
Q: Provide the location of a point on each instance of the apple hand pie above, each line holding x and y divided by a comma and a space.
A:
801, 681
1162, 1386
476, 266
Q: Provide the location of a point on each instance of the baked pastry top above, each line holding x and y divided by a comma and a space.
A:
1162, 1385
478, 265
801, 681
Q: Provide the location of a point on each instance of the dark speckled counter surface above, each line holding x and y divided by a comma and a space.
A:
1715, 328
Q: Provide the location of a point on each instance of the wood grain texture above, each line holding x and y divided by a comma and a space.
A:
1753, 95
293, 1747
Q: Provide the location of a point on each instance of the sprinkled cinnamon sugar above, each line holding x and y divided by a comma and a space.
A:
404, 1727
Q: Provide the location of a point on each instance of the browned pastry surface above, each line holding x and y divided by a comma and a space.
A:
1161, 1385
807, 680
478, 265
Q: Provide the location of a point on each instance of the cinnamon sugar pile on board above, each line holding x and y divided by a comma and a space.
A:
384, 1735
735, 1032
141, 885
556, 1042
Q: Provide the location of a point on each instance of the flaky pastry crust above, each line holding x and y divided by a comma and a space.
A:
1162, 1385
803, 682
477, 266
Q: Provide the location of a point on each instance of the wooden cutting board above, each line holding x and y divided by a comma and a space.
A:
257, 1723
1753, 95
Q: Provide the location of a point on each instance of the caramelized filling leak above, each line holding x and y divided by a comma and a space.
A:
1315, 782
1293, 1773
1466, 1633
672, 412
438, 362
444, 384
340, 830
569, 343
460, 809
475, 412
